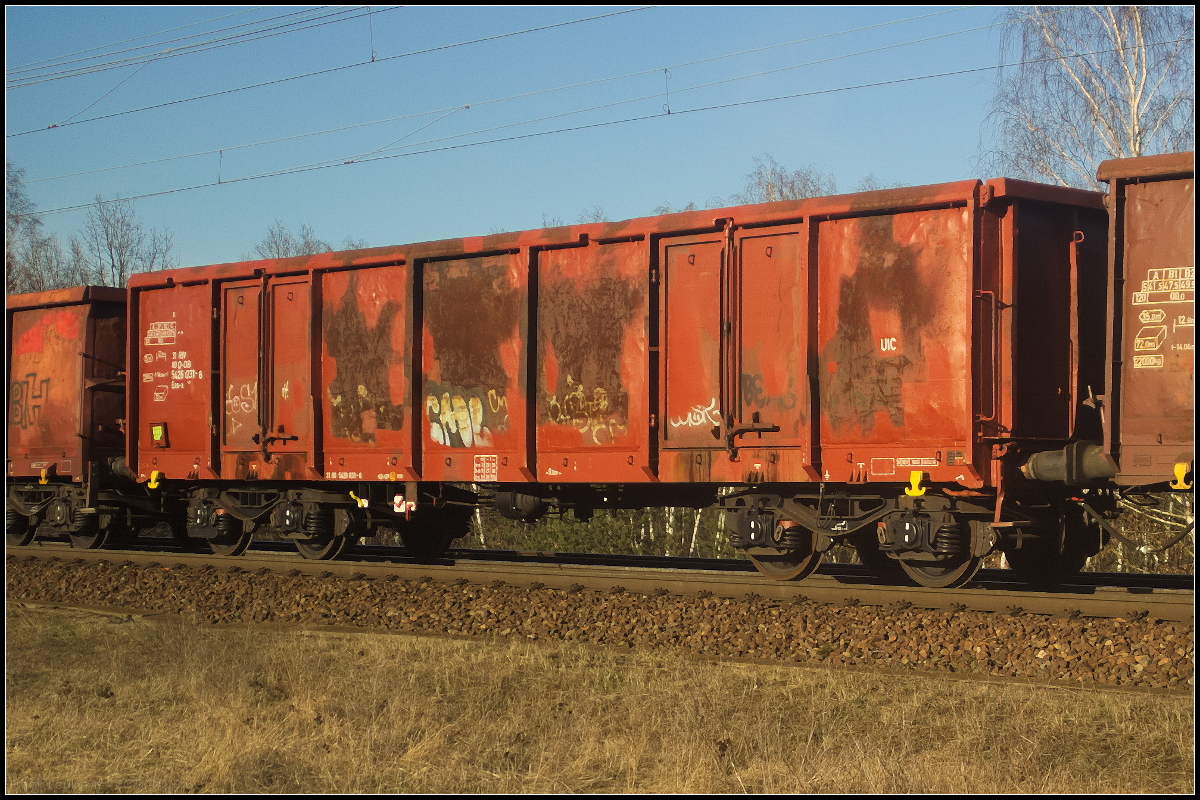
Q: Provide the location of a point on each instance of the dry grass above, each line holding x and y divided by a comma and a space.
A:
95, 706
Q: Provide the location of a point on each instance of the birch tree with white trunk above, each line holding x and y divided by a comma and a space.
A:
1091, 83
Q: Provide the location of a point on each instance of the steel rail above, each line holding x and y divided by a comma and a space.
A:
1101, 602
1083, 582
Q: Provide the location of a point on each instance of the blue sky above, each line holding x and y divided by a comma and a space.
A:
912, 132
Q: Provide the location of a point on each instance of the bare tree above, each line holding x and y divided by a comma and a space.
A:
593, 214
771, 181
667, 208
114, 244
282, 243
33, 261
1091, 83
871, 184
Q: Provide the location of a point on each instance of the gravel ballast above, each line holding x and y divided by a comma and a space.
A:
1117, 652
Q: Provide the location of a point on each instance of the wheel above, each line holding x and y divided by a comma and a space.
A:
348, 527
955, 564
1052, 560
322, 549
63, 515
427, 536
88, 539
796, 564
792, 566
233, 543
86, 533
942, 574
17, 530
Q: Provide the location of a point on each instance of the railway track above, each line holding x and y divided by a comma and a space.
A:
1091, 635
1094, 595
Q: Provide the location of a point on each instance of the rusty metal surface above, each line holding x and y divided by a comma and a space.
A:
172, 349
854, 338
894, 301
474, 369
1060, 195
1153, 361
471, 313
65, 392
45, 387
241, 366
366, 372
693, 345
773, 307
1165, 165
593, 362
73, 295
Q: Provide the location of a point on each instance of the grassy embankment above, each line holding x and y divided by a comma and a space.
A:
154, 706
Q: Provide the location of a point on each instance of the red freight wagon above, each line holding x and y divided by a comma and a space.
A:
1152, 366
825, 361
66, 408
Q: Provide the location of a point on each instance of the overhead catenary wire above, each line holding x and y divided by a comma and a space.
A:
172, 54
608, 123
25, 67
708, 85
236, 38
199, 47
110, 91
593, 82
332, 70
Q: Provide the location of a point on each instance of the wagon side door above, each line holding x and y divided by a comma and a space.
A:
241, 365
288, 432
771, 347
266, 368
693, 369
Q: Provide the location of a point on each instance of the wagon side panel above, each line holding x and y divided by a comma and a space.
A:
592, 390
172, 415
895, 297
366, 373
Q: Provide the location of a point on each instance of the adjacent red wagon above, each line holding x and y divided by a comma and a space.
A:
66, 407
1152, 366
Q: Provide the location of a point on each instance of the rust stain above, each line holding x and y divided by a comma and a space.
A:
470, 306
360, 390
859, 379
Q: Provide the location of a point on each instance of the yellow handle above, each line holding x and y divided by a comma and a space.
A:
154, 476
1181, 470
43, 480
915, 490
